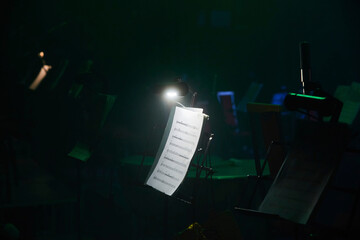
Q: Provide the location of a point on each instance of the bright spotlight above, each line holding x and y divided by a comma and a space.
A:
172, 89
171, 93
41, 54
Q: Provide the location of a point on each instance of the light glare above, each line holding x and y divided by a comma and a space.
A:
41, 75
171, 93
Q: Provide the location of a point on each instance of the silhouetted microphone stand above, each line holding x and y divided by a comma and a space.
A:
305, 66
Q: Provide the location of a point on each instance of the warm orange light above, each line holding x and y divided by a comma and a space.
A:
41, 54
42, 74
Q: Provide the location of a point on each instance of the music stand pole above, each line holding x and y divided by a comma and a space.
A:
199, 169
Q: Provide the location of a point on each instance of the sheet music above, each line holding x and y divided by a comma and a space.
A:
176, 150
297, 188
305, 173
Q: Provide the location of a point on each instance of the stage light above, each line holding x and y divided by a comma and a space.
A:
324, 106
171, 93
41, 54
42, 73
172, 89
295, 101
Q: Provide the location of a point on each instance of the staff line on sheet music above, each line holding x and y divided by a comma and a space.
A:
174, 161
181, 147
185, 132
168, 175
171, 168
184, 140
164, 182
187, 125
178, 154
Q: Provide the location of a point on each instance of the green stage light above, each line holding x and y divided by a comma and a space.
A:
307, 96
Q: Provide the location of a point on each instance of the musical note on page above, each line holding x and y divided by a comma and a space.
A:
176, 150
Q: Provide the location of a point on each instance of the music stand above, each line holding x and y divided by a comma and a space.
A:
269, 117
297, 189
179, 149
266, 134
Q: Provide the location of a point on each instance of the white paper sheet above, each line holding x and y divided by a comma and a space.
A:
315, 153
176, 150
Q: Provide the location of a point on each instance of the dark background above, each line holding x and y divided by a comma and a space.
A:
239, 41
213, 45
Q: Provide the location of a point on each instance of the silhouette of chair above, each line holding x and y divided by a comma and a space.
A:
266, 136
267, 143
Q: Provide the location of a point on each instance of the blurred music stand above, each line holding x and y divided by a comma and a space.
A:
266, 130
83, 149
267, 141
297, 189
227, 100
